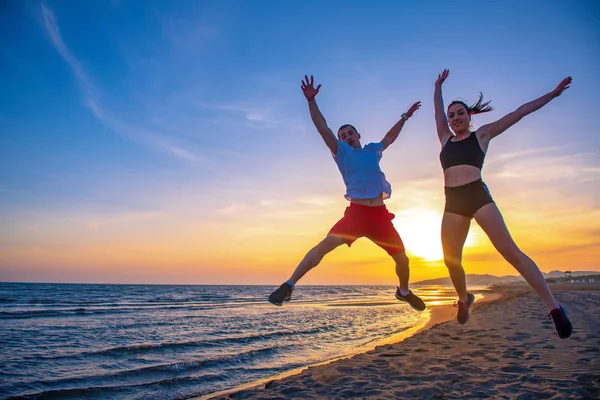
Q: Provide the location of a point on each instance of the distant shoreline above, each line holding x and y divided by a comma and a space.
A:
472, 280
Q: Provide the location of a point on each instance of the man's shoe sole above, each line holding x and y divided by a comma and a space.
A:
279, 304
411, 306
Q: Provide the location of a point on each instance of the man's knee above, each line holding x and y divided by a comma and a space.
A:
401, 259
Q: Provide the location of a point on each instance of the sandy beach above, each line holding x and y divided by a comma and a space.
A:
506, 350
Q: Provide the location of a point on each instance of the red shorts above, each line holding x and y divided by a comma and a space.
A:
374, 223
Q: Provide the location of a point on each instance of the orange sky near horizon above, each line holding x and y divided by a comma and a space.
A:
262, 243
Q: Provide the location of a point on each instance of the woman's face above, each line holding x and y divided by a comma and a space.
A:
458, 118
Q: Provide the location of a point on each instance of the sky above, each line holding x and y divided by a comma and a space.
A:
170, 143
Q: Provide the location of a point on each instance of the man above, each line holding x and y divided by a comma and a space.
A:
366, 189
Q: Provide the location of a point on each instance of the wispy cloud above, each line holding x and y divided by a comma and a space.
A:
119, 219
544, 169
187, 35
92, 101
266, 107
269, 231
263, 116
523, 153
233, 208
320, 201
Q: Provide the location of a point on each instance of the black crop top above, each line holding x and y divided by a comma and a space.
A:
463, 152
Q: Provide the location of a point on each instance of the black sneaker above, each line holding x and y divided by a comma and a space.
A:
464, 309
414, 301
283, 293
562, 325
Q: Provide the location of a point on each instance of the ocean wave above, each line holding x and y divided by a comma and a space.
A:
118, 309
160, 348
94, 384
49, 312
175, 387
7, 300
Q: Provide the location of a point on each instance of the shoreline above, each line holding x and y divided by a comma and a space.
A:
507, 350
439, 314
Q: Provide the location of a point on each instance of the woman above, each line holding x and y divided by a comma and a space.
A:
467, 196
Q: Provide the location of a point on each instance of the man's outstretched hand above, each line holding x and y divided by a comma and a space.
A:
413, 108
308, 88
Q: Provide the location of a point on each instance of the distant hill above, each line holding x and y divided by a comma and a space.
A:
485, 279
474, 279
561, 274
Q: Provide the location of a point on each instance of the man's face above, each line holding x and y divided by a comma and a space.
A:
350, 136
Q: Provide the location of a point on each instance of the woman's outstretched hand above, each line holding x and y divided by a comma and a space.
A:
442, 77
562, 86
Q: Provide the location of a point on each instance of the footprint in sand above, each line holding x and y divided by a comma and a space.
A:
295, 391
589, 380
536, 378
588, 350
542, 366
533, 356
515, 369
591, 336
348, 393
512, 352
520, 336
437, 369
592, 349
345, 370
388, 355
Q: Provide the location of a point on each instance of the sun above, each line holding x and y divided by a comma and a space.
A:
420, 232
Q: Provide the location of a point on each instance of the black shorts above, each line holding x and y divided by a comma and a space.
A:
465, 200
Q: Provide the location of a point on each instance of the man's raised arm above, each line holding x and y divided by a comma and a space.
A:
393, 133
310, 92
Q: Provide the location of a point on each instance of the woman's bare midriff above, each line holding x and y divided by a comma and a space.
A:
374, 202
461, 175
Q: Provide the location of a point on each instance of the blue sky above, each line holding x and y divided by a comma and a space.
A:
137, 122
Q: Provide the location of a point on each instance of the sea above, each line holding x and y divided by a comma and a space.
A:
94, 341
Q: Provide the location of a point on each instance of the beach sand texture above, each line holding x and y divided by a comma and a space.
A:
506, 350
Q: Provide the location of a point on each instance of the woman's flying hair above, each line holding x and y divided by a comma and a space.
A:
477, 108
